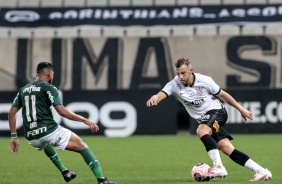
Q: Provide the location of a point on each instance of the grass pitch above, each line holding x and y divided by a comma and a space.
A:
140, 160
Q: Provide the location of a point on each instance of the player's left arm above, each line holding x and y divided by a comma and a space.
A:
227, 98
14, 143
75, 117
60, 108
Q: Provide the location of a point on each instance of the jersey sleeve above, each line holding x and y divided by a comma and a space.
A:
168, 88
17, 101
53, 95
212, 86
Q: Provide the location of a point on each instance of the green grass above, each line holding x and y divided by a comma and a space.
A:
140, 160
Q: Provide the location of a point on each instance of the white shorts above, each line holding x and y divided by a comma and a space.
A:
58, 139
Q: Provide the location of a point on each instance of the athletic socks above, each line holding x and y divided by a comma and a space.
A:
215, 157
209, 142
92, 162
244, 160
252, 165
212, 149
239, 157
54, 157
87, 155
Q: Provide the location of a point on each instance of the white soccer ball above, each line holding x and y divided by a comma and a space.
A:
199, 170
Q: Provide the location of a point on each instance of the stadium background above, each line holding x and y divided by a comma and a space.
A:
107, 72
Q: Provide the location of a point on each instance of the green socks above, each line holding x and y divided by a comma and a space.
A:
87, 155
54, 157
91, 161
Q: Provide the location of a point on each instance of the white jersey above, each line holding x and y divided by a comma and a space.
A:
197, 98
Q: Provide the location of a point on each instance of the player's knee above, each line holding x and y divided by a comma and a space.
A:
203, 130
226, 148
86, 146
79, 146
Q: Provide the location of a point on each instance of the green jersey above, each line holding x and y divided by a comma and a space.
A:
36, 99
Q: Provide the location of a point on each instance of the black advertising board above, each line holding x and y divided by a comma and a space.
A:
118, 113
122, 113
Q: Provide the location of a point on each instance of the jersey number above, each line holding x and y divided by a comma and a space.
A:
29, 113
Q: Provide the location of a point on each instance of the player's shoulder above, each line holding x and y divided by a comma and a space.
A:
175, 81
199, 75
174, 84
201, 78
45, 85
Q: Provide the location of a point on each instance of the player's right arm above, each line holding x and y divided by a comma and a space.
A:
157, 98
14, 143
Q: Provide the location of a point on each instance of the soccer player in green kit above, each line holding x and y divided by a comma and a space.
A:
41, 130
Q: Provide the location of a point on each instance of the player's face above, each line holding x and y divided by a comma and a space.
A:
183, 74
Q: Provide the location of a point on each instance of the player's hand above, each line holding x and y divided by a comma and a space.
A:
152, 101
93, 126
246, 114
14, 146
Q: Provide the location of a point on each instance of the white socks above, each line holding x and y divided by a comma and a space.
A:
215, 157
252, 165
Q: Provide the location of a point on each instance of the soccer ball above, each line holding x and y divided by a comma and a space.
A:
199, 170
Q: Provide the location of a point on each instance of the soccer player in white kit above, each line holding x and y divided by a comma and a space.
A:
197, 93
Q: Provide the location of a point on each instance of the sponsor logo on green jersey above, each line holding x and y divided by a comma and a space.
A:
31, 88
37, 131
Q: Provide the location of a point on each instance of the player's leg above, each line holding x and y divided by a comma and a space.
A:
244, 160
210, 144
54, 157
58, 139
42, 144
76, 144
218, 170
212, 122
